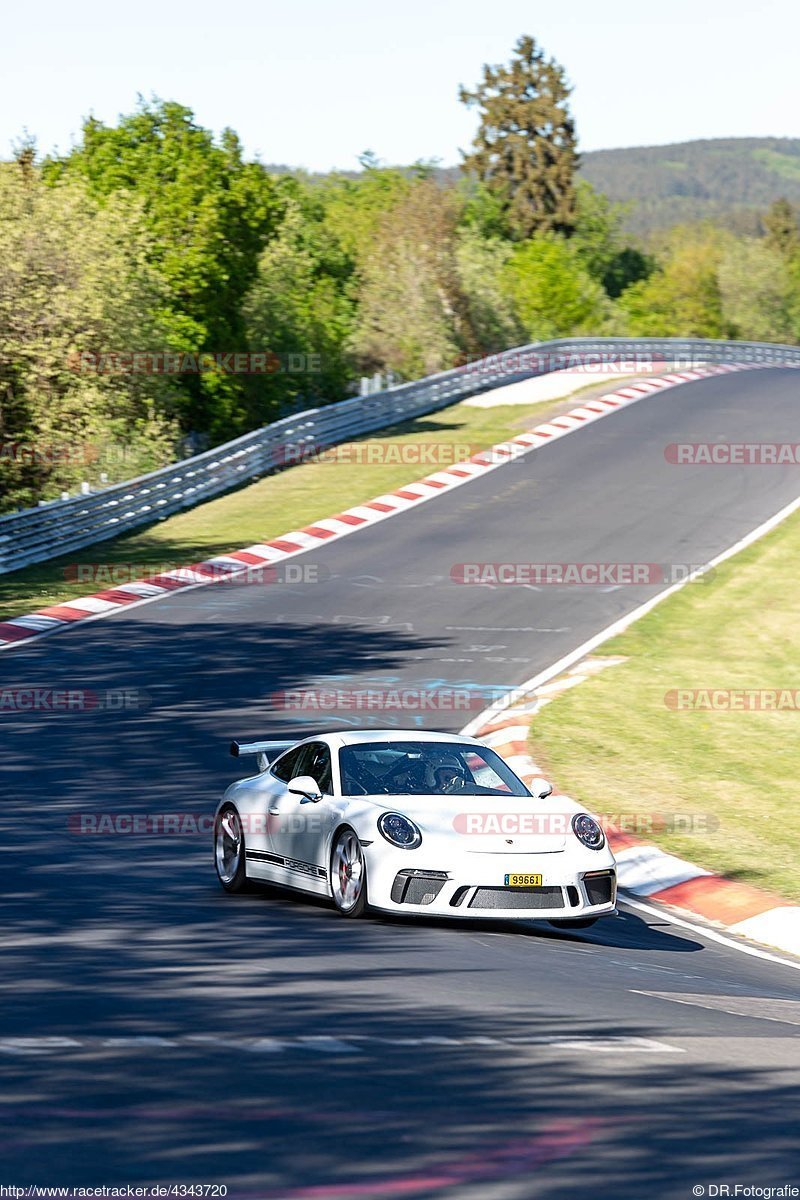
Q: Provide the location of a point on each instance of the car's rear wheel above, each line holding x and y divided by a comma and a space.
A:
229, 850
348, 874
575, 923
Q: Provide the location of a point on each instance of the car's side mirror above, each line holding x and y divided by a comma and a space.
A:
304, 785
540, 788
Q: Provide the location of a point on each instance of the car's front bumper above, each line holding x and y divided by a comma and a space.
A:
574, 886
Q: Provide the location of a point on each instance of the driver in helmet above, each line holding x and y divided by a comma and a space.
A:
447, 775
408, 774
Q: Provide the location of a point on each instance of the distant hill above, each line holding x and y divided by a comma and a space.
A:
725, 179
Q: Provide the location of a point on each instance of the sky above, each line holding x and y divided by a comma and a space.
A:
314, 83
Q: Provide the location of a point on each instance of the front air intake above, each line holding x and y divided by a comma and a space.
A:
533, 898
417, 887
599, 887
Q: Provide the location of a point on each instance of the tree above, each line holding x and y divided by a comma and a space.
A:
525, 148
756, 291
598, 241
780, 226
553, 294
355, 208
410, 305
209, 215
75, 280
682, 297
25, 155
489, 310
300, 311
482, 210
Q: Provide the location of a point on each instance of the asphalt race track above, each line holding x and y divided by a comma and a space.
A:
155, 1030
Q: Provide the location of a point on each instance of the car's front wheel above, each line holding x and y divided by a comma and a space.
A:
229, 850
348, 874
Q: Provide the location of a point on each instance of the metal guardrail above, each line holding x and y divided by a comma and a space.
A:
36, 534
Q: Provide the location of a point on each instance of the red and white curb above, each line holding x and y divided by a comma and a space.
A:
644, 871
43, 622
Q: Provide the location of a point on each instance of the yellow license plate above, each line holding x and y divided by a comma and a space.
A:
523, 881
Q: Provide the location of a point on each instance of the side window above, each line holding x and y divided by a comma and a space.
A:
315, 760
284, 767
321, 771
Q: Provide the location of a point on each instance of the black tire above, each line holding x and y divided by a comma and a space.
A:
345, 845
233, 877
575, 923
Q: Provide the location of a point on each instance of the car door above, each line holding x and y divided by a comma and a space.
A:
298, 828
270, 785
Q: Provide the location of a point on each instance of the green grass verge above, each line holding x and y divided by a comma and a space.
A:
292, 498
615, 745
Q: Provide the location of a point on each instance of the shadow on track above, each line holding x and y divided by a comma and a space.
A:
444, 1083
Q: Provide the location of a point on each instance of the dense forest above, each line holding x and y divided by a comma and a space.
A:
160, 293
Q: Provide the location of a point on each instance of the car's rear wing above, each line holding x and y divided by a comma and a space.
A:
265, 752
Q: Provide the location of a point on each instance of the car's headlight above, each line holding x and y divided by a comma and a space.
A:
398, 830
587, 830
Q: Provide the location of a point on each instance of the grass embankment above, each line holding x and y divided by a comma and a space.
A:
617, 745
292, 498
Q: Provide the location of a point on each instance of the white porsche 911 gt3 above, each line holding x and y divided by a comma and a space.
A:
411, 822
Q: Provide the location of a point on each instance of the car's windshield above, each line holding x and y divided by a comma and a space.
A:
425, 768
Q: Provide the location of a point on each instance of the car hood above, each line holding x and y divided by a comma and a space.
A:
489, 824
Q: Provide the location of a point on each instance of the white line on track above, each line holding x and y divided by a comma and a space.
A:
663, 914
356, 1043
757, 1008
